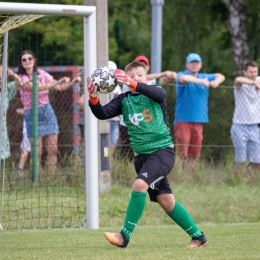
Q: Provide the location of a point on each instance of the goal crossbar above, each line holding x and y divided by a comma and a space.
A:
46, 9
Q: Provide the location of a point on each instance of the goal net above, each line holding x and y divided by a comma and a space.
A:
59, 37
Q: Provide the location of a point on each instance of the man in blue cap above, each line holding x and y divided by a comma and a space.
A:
191, 109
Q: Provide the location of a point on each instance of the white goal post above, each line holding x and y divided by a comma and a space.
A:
90, 63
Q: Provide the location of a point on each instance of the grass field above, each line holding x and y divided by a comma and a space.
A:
225, 207
226, 241
217, 210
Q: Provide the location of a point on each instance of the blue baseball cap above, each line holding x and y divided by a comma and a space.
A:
193, 57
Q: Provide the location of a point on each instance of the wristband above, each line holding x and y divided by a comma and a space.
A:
133, 84
93, 100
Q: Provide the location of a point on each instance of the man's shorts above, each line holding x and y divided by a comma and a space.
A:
153, 169
246, 141
188, 138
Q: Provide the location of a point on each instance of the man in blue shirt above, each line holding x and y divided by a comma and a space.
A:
191, 109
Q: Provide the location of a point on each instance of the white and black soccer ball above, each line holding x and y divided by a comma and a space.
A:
104, 79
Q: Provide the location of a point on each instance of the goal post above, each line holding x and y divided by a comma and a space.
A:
90, 63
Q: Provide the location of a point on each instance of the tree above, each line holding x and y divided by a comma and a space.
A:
238, 32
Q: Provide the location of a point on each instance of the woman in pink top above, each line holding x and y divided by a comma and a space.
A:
47, 122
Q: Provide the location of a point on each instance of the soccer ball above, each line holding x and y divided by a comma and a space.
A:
104, 79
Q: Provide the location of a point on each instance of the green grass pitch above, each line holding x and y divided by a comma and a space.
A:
226, 241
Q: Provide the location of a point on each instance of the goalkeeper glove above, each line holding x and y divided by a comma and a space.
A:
92, 91
122, 77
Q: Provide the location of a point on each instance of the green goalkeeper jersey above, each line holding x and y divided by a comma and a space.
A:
144, 115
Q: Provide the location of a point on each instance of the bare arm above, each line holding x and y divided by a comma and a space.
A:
189, 78
65, 85
14, 77
168, 76
28, 85
165, 76
81, 102
218, 80
243, 80
60, 85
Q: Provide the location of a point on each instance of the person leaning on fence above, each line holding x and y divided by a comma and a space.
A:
191, 109
165, 77
47, 122
144, 112
13, 81
245, 131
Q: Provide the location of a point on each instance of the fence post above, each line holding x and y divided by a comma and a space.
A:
35, 129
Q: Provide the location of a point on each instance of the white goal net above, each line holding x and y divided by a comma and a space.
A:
63, 40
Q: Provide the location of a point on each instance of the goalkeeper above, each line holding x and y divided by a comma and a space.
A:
144, 112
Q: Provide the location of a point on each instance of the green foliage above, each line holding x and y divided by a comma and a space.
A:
253, 28
51, 38
188, 26
130, 26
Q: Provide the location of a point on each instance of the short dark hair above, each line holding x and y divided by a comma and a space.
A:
250, 64
134, 64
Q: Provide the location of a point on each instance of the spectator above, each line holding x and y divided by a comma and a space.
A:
25, 147
152, 143
165, 77
245, 130
191, 109
114, 126
47, 122
13, 81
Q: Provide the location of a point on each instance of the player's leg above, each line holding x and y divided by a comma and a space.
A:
150, 171
134, 212
180, 215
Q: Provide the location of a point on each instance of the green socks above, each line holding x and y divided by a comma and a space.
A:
180, 215
134, 212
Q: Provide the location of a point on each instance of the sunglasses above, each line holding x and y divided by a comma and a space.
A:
29, 59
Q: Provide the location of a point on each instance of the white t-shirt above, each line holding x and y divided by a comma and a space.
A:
247, 104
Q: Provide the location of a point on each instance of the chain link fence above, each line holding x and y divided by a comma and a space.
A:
217, 144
